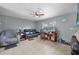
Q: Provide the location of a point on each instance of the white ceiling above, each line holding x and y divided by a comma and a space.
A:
24, 10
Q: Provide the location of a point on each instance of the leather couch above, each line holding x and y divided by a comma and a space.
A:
75, 44
8, 37
30, 33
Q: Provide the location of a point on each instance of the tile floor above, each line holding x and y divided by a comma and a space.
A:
37, 47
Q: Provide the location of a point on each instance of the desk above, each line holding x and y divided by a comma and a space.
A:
50, 36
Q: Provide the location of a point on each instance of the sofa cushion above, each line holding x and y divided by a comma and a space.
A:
27, 33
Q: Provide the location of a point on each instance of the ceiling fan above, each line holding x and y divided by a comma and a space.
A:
36, 13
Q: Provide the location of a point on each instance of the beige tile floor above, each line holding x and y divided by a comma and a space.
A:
38, 47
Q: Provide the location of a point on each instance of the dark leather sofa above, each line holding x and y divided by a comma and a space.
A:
8, 37
30, 33
74, 46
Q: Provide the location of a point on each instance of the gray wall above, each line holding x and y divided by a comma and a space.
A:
0, 23
65, 24
16, 23
66, 28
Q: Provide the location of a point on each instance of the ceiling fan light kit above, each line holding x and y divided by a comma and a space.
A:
39, 13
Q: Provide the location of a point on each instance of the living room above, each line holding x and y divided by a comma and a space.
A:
47, 25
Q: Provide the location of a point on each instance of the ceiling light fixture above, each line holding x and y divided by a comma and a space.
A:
36, 13
39, 13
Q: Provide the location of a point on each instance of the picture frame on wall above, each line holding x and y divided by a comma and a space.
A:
77, 19
77, 16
